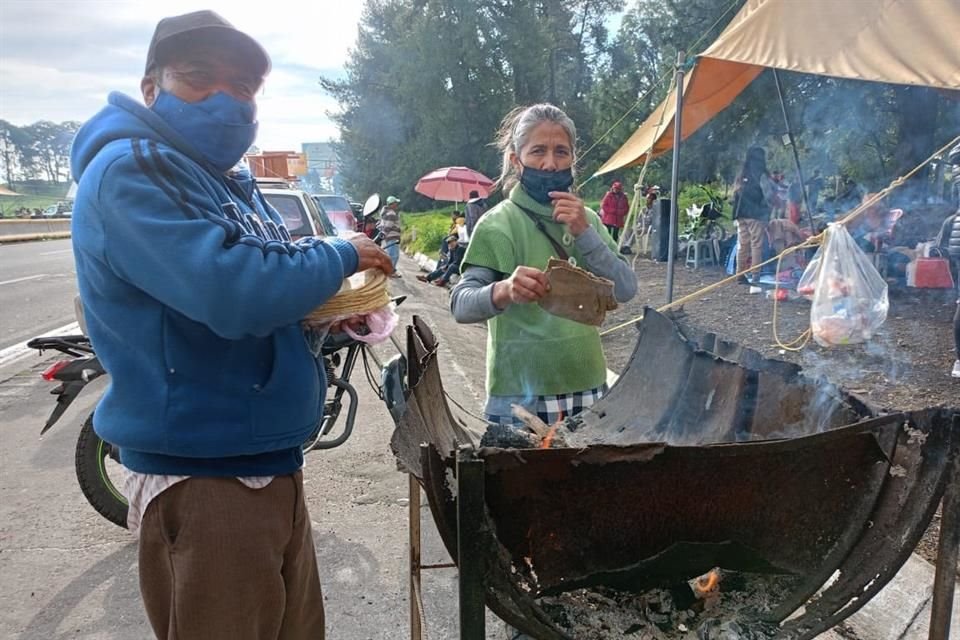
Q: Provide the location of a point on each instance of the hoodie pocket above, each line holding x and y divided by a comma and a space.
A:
237, 397
289, 405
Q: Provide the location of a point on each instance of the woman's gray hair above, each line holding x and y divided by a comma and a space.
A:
514, 134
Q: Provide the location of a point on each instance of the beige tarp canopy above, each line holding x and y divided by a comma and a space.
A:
911, 42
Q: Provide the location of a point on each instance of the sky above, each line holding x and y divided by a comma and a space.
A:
59, 59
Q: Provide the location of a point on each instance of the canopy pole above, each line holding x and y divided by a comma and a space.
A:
793, 146
675, 178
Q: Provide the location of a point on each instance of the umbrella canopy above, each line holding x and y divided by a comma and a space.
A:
6, 192
453, 184
895, 41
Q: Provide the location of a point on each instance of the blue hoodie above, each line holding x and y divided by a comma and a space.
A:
193, 304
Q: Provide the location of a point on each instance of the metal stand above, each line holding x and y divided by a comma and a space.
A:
470, 506
675, 177
418, 629
947, 551
416, 593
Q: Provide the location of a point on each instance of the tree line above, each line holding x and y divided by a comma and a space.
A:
428, 81
40, 151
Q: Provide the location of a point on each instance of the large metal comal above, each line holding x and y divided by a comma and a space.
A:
704, 454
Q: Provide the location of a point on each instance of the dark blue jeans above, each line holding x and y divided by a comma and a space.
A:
443, 273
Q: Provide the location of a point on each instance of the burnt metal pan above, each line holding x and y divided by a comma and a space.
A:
702, 454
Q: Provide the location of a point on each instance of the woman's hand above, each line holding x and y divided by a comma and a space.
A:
568, 209
526, 284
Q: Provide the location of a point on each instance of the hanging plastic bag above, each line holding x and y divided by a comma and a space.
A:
808, 281
850, 297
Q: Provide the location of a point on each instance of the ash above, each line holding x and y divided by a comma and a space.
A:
730, 613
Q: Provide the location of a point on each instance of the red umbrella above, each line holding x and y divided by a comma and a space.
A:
453, 184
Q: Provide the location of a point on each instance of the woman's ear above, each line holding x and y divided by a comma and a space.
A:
515, 161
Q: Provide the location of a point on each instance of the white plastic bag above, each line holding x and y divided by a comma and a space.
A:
850, 297
808, 281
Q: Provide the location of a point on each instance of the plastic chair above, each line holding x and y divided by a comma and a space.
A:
702, 252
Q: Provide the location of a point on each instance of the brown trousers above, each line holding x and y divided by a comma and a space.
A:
219, 560
750, 252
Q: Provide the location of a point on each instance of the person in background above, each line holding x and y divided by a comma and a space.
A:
476, 207
613, 209
193, 295
794, 201
549, 365
643, 219
751, 209
460, 230
778, 195
390, 228
814, 187
448, 265
950, 246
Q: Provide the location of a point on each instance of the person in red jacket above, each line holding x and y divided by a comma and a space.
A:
614, 209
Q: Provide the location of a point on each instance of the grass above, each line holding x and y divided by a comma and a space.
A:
34, 195
423, 232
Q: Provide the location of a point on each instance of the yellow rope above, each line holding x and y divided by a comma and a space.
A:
804, 337
812, 241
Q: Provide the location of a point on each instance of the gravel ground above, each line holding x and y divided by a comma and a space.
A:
905, 367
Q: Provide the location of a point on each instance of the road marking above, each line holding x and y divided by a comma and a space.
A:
53, 253
23, 279
11, 354
612, 378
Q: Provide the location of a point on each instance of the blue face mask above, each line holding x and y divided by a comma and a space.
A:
538, 183
221, 128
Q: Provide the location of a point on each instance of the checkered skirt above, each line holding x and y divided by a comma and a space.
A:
552, 409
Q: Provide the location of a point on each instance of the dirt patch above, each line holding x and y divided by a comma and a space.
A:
905, 367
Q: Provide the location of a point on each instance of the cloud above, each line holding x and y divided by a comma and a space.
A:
59, 59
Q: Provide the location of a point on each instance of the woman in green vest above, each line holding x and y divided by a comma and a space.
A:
552, 366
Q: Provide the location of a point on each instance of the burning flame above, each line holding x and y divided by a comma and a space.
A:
548, 439
707, 583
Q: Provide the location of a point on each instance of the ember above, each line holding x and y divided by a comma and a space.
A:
551, 433
706, 585
534, 434
672, 614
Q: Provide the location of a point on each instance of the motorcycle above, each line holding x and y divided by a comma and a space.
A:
703, 221
97, 462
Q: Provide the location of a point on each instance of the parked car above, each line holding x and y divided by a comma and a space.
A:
339, 210
59, 210
301, 215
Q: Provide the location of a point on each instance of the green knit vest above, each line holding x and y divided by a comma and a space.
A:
529, 351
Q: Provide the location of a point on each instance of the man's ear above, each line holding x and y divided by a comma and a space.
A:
149, 89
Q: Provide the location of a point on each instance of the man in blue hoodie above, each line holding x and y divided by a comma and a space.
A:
193, 293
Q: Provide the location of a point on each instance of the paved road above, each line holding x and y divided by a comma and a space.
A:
37, 286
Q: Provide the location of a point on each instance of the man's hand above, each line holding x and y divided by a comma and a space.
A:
371, 256
568, 209
526, 284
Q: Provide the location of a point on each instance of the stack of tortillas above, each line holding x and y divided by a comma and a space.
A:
361, 293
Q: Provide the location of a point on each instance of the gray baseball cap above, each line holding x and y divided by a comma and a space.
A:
210, 27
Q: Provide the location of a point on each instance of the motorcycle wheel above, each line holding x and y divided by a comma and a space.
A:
715, 231
98, 474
